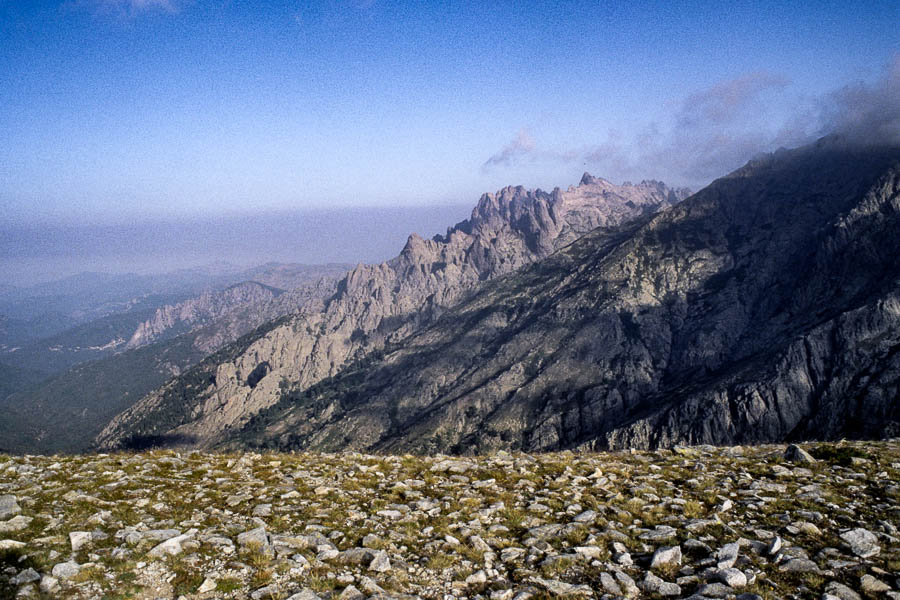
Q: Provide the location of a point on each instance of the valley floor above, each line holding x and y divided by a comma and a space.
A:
714, 522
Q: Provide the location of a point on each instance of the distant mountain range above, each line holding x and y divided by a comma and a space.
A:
765, 307
60, 390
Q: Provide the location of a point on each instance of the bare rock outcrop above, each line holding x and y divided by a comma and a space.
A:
377, 304
764, 308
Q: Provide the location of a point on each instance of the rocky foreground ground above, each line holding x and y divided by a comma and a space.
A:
745, 522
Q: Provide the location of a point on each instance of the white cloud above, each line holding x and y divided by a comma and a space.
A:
522, 145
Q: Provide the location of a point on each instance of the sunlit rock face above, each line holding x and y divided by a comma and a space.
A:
376, 304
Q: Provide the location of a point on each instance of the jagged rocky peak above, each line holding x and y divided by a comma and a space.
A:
594, 202
588, 179
375, 304
763, 308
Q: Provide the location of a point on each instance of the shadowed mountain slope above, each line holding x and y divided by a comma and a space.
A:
377, 304
765, 307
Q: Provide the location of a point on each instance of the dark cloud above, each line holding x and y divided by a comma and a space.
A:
520, 146
866, 114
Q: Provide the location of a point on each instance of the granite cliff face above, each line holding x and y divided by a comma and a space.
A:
765, 307
173, 319
226, 314
378, 304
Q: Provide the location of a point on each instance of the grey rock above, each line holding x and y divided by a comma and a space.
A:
511, 554
158, 535
208, 585
666, 556
305, 594
9, 506
727, 555
170, 547
79, 539
590, 552
356, 556
841, 591
65, 570
380, 562
561, 588
798, 565
629, 587
477, 578
351, 593
269, 592
609, 584
479, 544
732, 577
623, 558
587, 516
253, 537
29, 575
369, 587
17, 523
49, 584
696, 547
715, 590
872, 585
862, 542
655, 585
797, 454
660, 534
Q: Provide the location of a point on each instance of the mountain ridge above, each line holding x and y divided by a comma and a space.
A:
376, 303
742, 315
762, 308
82, 388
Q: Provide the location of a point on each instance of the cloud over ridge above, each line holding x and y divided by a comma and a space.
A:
520, 146
715, 130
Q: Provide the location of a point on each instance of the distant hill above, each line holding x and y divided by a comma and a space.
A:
58, 392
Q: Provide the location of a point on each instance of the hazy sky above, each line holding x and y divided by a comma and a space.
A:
40, 252
113, 110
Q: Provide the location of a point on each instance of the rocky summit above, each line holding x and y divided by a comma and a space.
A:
762, 309
811, 521
375, 304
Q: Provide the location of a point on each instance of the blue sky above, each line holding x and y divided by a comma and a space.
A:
123, 110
